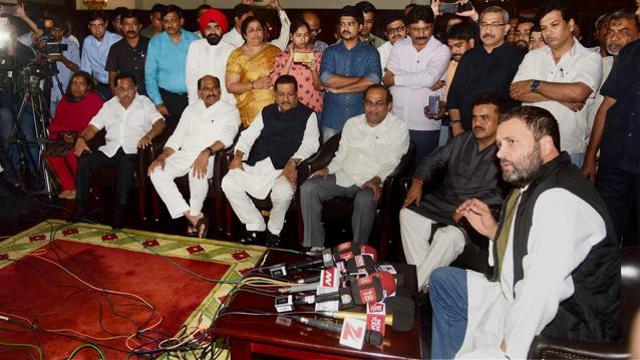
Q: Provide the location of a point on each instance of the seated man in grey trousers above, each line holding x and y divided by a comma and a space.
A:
371, 147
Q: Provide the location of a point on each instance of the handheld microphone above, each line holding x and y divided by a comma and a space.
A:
328, 257
361, 291
400, 313
371, 337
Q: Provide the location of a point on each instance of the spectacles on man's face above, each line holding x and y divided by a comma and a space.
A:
493, 24
398, 30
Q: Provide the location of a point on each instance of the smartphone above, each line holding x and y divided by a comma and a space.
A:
303, 57
448, 8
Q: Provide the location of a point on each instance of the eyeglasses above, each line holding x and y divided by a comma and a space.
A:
398, 30
493, 25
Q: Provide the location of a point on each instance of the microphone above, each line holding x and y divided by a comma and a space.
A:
361, 291
328, 257
400, 313
371, 337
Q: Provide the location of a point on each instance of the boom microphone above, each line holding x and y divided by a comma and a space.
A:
370, 337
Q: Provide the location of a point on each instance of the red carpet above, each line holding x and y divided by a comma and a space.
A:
52, 299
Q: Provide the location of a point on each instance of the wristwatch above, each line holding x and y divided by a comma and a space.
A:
535, 84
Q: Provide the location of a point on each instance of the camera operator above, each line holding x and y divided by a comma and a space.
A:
18, 55
67, 58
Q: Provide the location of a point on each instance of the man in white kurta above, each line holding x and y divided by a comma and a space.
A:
206, 127
209, 56
266, 159
416, 63
564, 248
394, 29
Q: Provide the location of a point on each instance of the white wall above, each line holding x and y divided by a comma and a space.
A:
228, 4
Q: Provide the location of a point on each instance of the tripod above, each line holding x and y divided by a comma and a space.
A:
36, 100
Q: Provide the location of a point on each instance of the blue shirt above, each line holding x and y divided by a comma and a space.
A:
94, 55
361, 61
165, 66
64, 73
620, 144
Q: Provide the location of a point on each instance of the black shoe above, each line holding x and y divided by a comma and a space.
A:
78, 215
273, 240
252, 238
119, 214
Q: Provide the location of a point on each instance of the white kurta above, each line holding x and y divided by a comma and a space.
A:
199, 127
563, 231
415, 73
204, 59
384, 50
578, 65
263, 178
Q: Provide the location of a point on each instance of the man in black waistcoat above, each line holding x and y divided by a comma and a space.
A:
555, 256
265, 160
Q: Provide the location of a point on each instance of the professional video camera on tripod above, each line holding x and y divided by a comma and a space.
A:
32, 81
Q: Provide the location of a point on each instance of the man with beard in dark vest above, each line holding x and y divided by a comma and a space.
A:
265, 161
555, 256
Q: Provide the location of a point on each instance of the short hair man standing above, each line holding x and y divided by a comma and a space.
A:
131, 122
560, 77
539, 282
486, 68
155, 19
206, 127
522, 34
243, 11
347, 68
129, 53
395, 29
415, 64
95, 50
266, 159
371, 146
165, 66
369, 16
468, 162
67, 62
313, 21
209, 55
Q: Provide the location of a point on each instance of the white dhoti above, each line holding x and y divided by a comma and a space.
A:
258, 181
447, 243
177, 165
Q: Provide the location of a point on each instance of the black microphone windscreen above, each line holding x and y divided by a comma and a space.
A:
403, 291
403, 310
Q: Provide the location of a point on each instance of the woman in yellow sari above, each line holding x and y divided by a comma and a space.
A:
249, 71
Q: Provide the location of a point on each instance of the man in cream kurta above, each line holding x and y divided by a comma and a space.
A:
553, 255
209, 56
371, 147
206, 127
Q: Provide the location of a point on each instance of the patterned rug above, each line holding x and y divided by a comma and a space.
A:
173, 273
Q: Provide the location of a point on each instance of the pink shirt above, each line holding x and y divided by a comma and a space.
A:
307, 94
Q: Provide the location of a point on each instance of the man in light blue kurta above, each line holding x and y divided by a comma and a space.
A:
165, 67
95, 49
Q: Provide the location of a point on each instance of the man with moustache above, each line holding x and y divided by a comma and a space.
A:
371, 146
369, 15
615, 131
600, 33
313, 21
95, 50
486, 68
560, 77
347, 68
460, 39
395, 29
468, 162
129, 53
622, 29
554, 255
415, 64
131, 122
535, 38
265, 162
207, 126
165, 67
209, 56
523, 31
